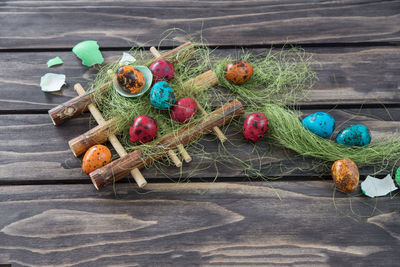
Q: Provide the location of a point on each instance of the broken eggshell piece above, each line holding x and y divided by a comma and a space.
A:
88, 52
52, 82
148, 78
374, 187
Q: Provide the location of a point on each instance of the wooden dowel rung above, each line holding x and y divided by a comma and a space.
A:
155, 52
136, 174
185, 155
221, 136
169, 53
172, 155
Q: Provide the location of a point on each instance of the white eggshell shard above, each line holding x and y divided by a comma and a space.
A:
148, 77
52, 82
126, 59
374, 187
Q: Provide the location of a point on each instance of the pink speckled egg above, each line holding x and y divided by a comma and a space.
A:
162, 70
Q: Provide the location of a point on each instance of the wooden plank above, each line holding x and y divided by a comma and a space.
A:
125, 23
207, 224
33, 150
346, 76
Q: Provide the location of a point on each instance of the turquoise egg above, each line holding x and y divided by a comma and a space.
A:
161, 95
354, 135
319, 123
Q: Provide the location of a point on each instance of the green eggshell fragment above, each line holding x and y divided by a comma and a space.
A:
89, 52
54, 61
397, 176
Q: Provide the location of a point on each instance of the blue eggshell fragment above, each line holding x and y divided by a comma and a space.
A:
319, 123
354, 135
162, 96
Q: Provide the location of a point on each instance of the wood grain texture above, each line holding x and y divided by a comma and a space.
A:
126, 23
208, 224
33, 150
346, 76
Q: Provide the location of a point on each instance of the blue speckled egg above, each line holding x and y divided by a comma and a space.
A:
319, 123
161, 95
354, 135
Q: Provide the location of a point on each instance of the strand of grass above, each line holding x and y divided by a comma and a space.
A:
287, 130
279, 78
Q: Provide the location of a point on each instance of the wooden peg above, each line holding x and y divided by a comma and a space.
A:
136, 174
172, 155
216, 129
202, 82
181, 149
184, 153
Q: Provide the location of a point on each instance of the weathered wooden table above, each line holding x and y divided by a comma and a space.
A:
50, 213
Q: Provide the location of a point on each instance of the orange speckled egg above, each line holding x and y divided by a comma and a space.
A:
96, 157
130, 79
345, 174
238, 72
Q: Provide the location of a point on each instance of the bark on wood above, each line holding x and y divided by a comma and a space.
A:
138, 159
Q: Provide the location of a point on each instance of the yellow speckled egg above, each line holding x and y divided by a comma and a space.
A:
130, 79
345, 174
96, 157
238, 72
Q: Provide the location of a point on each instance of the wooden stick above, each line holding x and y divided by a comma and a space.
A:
119, 168
173, 51
79, 104
221, 136
136, 174
94, 136
73, 107
171, 153
186, 157
200, 83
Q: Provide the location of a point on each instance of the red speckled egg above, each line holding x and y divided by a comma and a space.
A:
255, 126
130, 79
238, 72
95, 157
162, 70
143, 130
184, 110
